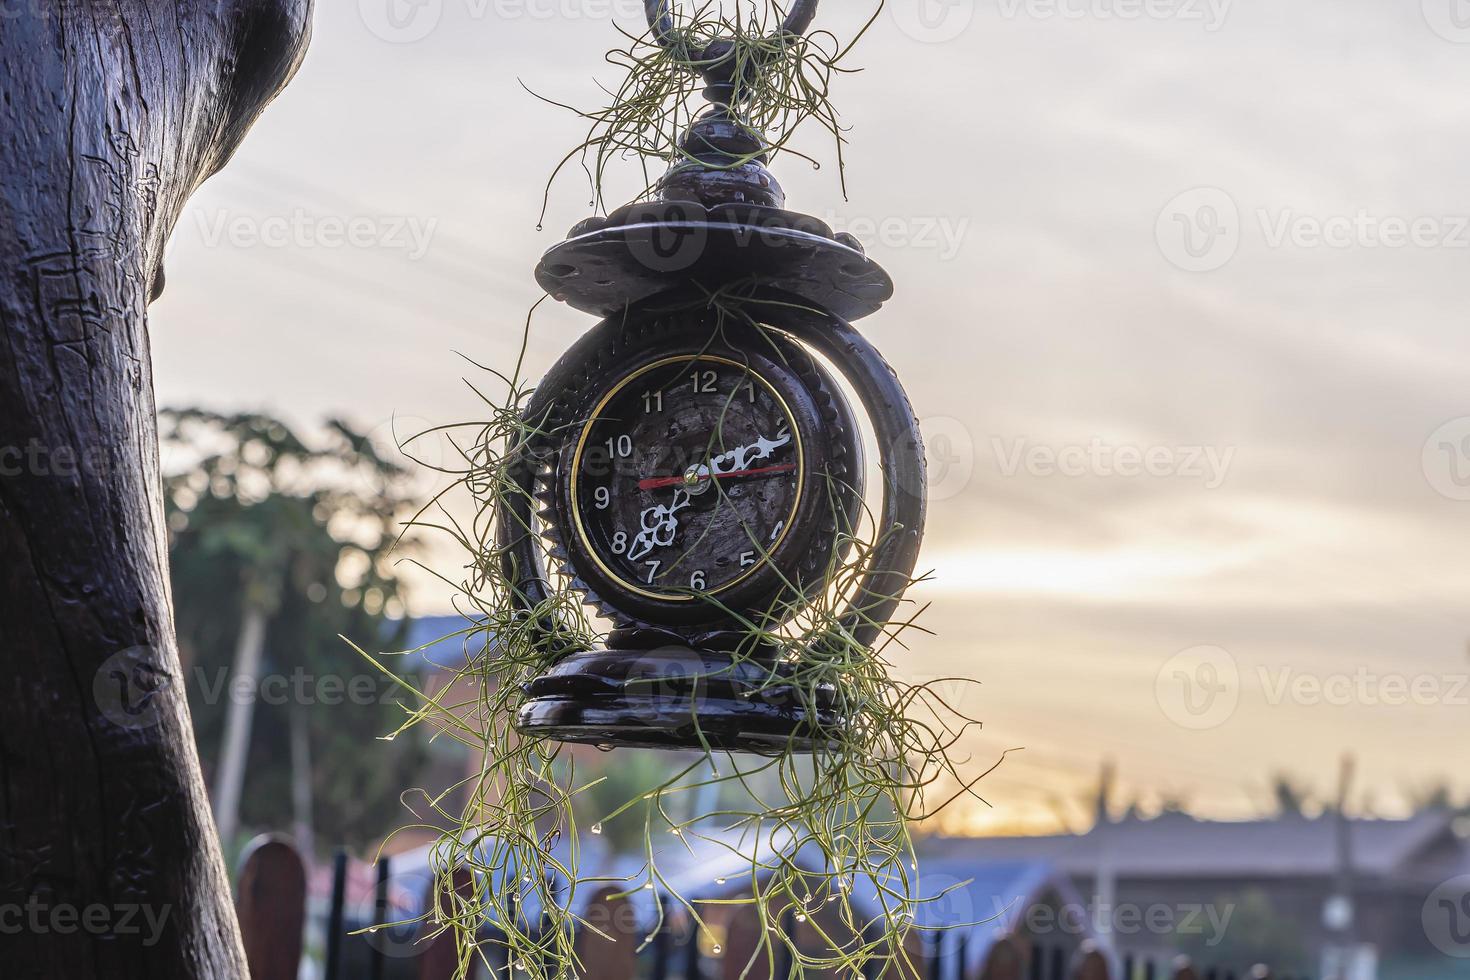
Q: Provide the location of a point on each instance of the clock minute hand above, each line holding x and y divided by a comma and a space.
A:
660, 482
736, 462
727, 464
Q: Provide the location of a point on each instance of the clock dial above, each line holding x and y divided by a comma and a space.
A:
696, 471
687, 477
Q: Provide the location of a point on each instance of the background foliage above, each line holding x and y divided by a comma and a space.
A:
308, 533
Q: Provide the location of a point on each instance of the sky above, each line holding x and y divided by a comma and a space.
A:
1181, 301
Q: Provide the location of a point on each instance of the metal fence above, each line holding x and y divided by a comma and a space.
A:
272, 906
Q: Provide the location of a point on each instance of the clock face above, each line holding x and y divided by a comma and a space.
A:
687, 476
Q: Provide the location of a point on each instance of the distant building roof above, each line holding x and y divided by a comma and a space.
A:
1178, 845
978, 902
439, 641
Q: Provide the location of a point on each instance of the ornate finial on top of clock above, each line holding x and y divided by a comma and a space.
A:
718, 217
724, 159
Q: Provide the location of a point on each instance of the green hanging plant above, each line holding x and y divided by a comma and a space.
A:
823, 822
825, 826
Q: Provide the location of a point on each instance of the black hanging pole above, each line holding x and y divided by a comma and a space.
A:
661, 18
334, 917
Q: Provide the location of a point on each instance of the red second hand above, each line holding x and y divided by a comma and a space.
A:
659, 482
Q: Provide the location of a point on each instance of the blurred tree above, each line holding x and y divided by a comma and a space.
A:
1292, 797
1435, 795
1254, 933
278, 549
614, 779
1160, 803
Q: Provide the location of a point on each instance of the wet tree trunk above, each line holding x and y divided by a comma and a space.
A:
111, 114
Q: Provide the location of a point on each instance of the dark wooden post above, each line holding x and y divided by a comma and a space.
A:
693, 966
934, 956
785, 961
1090, 964
377, 961
1183, 970
335, 913
114, 111
661, 942
272, 908
610, 956
1007, 960
693, 962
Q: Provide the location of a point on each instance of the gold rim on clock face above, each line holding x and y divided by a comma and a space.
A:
748, 375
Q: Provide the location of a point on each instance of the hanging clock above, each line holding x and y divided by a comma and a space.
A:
694, 482
692, 469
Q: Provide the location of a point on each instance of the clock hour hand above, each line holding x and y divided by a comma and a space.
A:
660, 526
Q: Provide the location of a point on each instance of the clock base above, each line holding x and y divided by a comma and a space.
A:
677, 697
